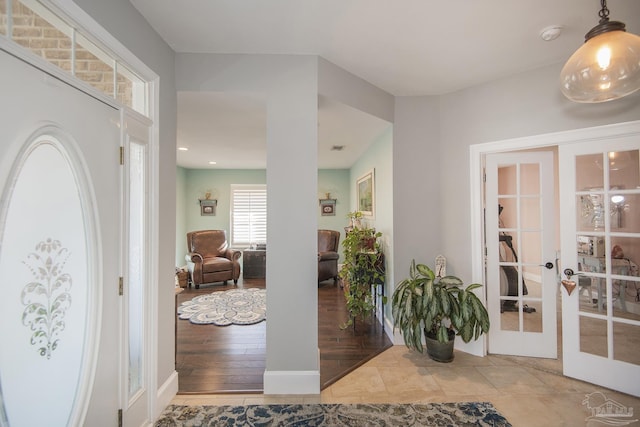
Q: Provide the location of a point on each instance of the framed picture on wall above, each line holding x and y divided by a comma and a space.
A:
328, 207
208, 207
365, 190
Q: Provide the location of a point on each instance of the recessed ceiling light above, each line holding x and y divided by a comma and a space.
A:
212, 163
337, 148
183, 149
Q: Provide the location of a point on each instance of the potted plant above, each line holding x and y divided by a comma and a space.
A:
440, 308
355, 219
360, 270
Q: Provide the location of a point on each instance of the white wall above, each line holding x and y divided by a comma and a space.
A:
416, 183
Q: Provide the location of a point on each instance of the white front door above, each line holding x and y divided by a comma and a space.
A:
600, 240
521, 271
59, 252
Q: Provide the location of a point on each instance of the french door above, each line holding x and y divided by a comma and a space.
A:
600, 223
59, 252
521, 265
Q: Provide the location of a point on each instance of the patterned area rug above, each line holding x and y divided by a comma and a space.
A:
222, 308
428, 414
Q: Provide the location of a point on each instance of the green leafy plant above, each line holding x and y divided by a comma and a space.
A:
436, 305
361, 269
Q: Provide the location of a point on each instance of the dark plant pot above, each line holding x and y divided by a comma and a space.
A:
440, 352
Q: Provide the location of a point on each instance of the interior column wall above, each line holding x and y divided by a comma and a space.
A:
290, 84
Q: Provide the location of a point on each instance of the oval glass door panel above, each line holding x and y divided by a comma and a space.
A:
47, 267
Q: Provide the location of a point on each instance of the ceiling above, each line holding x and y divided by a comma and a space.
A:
230, 129
405, 47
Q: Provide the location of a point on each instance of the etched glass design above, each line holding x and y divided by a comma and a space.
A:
47, 297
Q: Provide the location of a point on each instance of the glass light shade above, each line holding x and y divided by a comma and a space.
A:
606, 67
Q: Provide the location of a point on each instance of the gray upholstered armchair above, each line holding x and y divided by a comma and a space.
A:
328, 241
209, 259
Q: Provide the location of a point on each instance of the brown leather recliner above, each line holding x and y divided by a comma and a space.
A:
328, 241
209, 259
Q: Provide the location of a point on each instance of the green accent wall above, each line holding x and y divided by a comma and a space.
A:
192, 184
379, 157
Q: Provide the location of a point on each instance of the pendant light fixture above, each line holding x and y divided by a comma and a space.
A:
606, 66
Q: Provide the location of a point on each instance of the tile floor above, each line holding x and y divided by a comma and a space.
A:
528, 392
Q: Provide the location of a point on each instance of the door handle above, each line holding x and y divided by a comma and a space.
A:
567, 283
570, 273
548, 265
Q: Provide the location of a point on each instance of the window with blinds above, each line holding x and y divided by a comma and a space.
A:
248, 214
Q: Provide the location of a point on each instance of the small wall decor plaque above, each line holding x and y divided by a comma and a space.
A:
328, 207
208, 207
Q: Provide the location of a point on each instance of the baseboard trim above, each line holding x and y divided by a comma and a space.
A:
166, 392
292, 382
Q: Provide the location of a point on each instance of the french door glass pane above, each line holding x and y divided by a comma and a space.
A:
626, 343
507, 180
593, 336
531, 252
625, 212
530, 185
623, 170
590, 174
533, 320
530, 212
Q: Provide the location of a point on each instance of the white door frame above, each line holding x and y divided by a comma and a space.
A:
476, 156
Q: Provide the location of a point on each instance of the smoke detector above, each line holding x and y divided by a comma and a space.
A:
550, 33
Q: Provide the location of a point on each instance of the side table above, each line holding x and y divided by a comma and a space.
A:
254, 263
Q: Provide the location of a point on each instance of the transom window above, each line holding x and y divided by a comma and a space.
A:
31, 25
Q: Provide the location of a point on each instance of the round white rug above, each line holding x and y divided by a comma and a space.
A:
222, 308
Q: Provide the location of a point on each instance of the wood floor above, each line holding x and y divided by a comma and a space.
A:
232, 359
